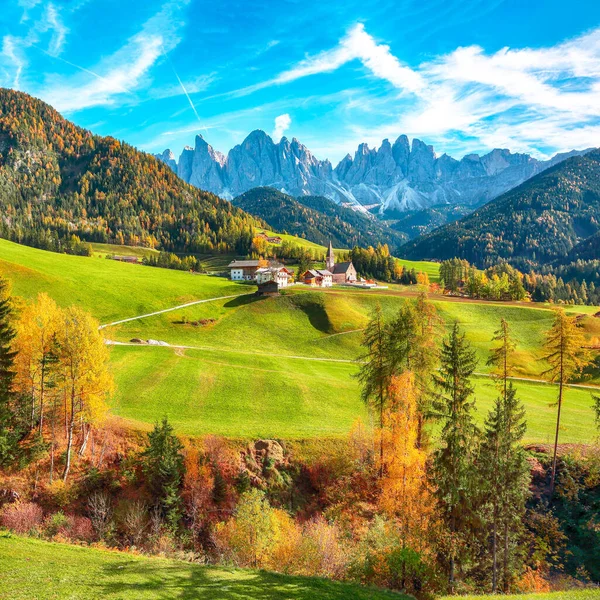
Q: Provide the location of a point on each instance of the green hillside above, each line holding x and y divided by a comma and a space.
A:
316, 218
33, 568
536, 223
277, 367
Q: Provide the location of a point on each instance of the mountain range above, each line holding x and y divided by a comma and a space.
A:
388, 180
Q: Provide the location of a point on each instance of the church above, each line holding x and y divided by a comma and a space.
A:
343, 272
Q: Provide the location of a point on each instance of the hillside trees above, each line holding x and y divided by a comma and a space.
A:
99, 189
567, 356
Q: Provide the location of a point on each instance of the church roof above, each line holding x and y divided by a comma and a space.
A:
342, 267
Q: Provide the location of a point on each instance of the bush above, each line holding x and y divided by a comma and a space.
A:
22, 517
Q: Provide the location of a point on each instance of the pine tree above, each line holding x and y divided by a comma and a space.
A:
9, 437
567, 356
163, 467
453, 461
375, 371
504, 476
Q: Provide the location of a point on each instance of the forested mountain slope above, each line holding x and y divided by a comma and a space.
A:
57, 179
546, 219
316, 218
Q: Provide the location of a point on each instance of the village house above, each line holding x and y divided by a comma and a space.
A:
245, 270
343, 272
278, 274
318, 278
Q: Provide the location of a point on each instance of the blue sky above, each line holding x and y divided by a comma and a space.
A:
463, 75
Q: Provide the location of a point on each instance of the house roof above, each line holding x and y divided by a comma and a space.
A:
342, 267
324, 272
318, 273
240, 264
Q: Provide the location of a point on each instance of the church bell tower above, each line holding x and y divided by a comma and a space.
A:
330, 260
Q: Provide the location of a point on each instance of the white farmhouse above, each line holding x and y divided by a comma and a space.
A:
244, 270
279, 275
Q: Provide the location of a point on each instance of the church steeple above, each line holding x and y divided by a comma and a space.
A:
330, 259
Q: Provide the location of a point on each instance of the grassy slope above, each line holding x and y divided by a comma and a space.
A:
107, 288
242, 381
42, 570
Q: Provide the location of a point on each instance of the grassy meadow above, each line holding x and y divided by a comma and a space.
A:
271, 367
42, 570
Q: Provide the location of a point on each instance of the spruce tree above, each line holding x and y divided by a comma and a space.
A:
163, 468
375, 371
454, 460
9, 436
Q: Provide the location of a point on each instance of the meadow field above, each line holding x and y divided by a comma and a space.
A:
242, 366
50, 571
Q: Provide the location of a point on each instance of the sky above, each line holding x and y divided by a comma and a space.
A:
463, 75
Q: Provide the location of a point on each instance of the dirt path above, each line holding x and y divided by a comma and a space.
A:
166, 310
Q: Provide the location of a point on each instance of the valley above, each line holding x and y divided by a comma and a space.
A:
295, 352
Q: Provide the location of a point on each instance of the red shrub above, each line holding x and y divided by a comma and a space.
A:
21, 517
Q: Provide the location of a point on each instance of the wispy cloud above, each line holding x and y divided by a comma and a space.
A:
282, 124
122, 72
530, 98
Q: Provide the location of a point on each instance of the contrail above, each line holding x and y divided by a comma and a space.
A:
166, 55
67, 62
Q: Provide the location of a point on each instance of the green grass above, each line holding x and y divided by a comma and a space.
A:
108, 289
32, 568
240, 380
103, 250
588, 594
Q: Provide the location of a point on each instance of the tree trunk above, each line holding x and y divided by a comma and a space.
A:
495, 551
70, 437
86, 435
505, 558
553, 477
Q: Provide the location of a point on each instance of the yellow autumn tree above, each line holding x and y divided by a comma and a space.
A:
86, 381
405, 496
36, 360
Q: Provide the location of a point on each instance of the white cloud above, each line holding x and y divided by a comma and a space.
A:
526, 98
282, 124
122, 72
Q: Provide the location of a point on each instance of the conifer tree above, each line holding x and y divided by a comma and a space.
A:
453, 461
567, 356
163, 468
8, 436
374, 374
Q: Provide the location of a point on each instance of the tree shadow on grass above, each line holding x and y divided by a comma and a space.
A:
158, 581
243, 300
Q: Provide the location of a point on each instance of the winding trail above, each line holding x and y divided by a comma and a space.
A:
277, 355
166, 310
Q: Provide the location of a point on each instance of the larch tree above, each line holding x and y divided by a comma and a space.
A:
405, 495
425, 359
453, 462
36, 364
567, 356
374, 372
85, 380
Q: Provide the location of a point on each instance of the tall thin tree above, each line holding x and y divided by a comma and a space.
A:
374, 373
567, 356
454, 460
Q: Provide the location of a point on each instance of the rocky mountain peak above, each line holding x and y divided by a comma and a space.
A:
394, 177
